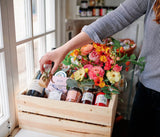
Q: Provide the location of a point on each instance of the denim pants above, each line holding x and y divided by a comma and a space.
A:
145, 115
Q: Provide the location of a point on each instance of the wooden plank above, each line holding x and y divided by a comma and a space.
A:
60, 127
68, 110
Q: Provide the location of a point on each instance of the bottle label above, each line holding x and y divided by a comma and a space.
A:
88, 96
101, 99
71, 94
56, 95
34, 85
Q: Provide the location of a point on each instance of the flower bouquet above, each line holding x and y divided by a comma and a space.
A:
99, 65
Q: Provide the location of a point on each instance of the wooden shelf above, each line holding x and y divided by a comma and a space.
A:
86, 18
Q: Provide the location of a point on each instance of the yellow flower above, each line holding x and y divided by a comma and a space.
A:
113, 76
103, 58
72, 76
107, 50
102, 84
79, 74
86, 70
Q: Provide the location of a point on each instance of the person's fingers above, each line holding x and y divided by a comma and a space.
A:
55, 67
41, 65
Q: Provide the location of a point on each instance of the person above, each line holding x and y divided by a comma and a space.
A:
145, 117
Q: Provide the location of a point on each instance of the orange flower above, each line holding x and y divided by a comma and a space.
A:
85, 50
75, 53
121, 49
99, 82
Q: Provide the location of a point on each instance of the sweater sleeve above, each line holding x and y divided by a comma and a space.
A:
125, 14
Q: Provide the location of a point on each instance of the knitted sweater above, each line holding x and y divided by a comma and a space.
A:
125, 14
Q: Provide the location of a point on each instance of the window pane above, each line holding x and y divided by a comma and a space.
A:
22, 16
50, 15
4, 102
50, 41
1, 39
38, 16
25, 64
39, 51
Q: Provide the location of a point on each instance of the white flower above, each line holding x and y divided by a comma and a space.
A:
113, 76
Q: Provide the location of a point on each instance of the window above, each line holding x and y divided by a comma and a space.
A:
35, 35
27, 32
7, 115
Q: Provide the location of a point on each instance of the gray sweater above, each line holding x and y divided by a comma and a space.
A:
125, 14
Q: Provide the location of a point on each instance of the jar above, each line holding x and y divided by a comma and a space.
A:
83, 12
102, 11
101, 100
84, 4
88, 97
95, 11
89, 12
56, 95
74, 95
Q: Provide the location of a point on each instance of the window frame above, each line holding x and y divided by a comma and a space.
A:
9, 120
10, 44
32, 38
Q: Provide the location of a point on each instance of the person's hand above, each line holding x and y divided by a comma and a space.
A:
56, 56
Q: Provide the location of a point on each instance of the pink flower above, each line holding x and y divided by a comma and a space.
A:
89, 66
95, 72
85, 50
117, 68
94, 56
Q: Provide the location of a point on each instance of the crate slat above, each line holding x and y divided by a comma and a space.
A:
68, 110
61, 127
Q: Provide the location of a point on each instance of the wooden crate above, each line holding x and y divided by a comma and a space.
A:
65, 119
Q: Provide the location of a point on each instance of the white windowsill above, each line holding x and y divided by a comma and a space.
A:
28, 133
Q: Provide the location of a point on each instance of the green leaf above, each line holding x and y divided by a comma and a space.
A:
133, 57
115, 91
108, 96
71, 83
67, 60
114, 87
87, 82
142, 59
137, 63
116, 43
105, 88
124, 58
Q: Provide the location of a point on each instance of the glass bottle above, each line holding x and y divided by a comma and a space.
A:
34, 88
46, 76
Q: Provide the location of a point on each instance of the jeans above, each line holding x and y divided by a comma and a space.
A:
145, 115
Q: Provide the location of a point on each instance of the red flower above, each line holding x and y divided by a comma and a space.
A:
127, 63
127, 68
107, 66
